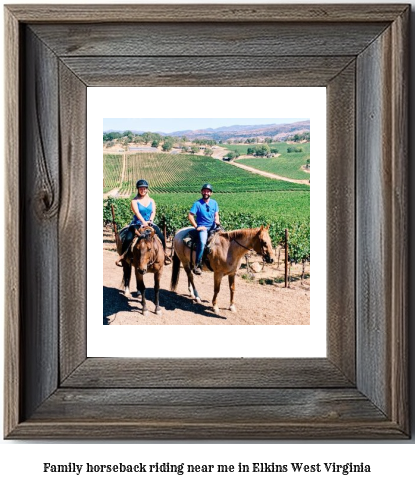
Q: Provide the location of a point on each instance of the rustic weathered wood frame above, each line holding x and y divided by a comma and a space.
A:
359, 52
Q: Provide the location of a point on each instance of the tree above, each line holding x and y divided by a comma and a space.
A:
124, 143
294, 149
110, 136
194, 149
167, 145
155, 143
232, 155
262, 150
208, 152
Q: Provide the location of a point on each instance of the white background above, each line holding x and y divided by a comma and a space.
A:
391, 463
218, 341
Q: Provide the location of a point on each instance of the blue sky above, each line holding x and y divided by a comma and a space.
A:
172, 125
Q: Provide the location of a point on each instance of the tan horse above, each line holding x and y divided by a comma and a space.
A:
146, 255
227, 250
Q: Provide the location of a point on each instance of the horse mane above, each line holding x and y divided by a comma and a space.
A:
239, 233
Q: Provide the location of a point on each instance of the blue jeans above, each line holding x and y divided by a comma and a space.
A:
201, 242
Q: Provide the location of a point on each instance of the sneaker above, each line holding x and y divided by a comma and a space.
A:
197, 270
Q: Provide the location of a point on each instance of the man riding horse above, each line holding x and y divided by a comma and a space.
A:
204, 216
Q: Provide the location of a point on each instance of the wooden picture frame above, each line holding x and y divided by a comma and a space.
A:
360, 53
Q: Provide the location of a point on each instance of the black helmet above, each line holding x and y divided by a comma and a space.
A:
141, 183
207, 186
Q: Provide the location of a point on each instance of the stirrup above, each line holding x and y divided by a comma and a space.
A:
197, 270
167, 260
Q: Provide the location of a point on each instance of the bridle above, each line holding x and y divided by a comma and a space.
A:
154, 258
251, 249
239, 244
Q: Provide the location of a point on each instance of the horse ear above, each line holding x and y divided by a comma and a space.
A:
262, 228
267, 227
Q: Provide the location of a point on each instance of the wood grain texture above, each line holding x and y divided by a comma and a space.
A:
13, 272
210, 405
201, 71
207, 373
205, 13
400, 257
39, 217
236, 39
188, 430
341, 236
382, 223
72, 222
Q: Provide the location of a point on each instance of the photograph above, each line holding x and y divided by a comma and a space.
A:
206, 221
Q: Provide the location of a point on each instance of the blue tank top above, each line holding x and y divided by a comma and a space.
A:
144, 211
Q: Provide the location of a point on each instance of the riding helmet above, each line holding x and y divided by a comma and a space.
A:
207, 186
141, 183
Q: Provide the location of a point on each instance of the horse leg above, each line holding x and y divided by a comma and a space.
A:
126, 277
217, 278
231, 279
191, 284
157, 277
142, 289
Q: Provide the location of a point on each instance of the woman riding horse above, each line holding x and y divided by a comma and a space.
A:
144, 210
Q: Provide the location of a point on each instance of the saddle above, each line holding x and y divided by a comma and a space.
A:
190, 241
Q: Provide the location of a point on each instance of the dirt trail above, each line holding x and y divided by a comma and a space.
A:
268, 175
268, 304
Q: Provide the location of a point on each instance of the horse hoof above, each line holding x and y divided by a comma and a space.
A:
127, 293
145, 313
158, 312
216, 310
198, 300
232, 308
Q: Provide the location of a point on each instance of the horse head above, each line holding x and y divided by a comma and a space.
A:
144, 253
263, 244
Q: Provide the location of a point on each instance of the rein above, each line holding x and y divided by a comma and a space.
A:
247, 248
151, 262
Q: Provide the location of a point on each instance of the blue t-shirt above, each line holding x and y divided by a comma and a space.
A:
205, 212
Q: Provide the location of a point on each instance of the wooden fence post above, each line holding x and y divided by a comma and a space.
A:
286, 258
113, 221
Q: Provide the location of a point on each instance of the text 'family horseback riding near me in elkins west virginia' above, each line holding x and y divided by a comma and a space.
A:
183, 468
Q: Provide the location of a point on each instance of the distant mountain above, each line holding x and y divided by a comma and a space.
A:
276, 131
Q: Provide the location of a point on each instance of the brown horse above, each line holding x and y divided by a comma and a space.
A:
146, 254
227, 250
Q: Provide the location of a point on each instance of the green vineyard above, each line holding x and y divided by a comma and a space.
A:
245, 199
287, 164
113, 165
177, 173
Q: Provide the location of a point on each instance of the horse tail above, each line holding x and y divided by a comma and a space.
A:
175, 272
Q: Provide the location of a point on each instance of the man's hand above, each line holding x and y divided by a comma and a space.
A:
201, 227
